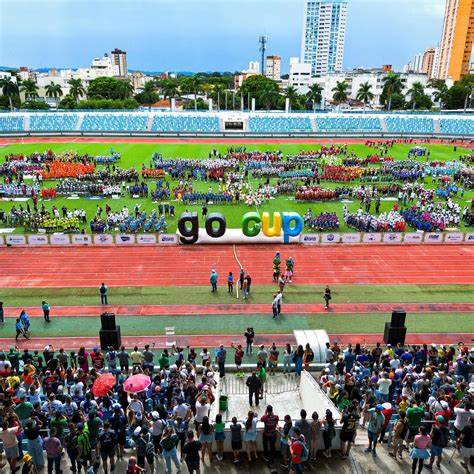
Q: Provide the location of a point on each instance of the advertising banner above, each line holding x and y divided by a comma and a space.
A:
469, 238
453, 237
330, 238
103, 239
38, 240
433, 238
372, 237
413, 237
392, 237
168, 239
309, 239
59, 239
81, 239
15, 239
124, 239
146, 239
2, 241
351, 238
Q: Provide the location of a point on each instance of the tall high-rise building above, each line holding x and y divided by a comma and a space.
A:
119, 58
456, 39
428, 62
324, 31
273, 67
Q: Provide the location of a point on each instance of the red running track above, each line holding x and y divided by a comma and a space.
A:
213, 340
190, 265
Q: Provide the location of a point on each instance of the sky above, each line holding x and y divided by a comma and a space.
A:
204, 35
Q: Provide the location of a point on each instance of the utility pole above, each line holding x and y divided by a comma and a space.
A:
263, 47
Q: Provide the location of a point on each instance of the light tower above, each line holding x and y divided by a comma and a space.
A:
263, 47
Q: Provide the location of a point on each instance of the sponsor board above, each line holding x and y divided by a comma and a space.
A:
351, 238
146, 239
38, 240
59, 239
81, 239
453, 237
433, 238
309, 239
392, 237
372, 237
331, 238
469, 238
168, 239
413, 237
103, 239
15, 240
1, 240
124, 239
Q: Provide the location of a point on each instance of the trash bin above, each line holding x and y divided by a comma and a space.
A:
223, 403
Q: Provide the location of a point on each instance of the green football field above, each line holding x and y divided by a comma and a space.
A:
136, 155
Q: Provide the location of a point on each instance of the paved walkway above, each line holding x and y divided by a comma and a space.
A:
242, 308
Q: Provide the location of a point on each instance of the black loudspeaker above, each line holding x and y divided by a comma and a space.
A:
107, 321
110, 338
398, 318
394, 335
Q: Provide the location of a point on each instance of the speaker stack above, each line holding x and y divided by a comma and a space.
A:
109, 333
395, 330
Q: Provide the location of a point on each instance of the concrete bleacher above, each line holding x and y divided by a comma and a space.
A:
11, 123
456, 126
52, 122
409, 124
348, 124
123, 122
185, 123
269, 124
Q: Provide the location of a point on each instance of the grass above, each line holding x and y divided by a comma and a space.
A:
233, 324
147, 295
134, 155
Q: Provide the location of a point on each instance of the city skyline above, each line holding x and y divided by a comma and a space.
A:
154, 42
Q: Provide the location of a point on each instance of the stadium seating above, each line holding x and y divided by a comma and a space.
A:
409, 124
11, 124
185, 123
456, 126
53, 122
345, 124
279, 124
127, 122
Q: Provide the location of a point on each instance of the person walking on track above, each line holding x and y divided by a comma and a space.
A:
327, 297
46, 308
103, 290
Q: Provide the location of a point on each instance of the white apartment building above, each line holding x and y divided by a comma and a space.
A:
300, 75
273, 67
323, 36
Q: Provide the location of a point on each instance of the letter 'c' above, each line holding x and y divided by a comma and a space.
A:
251, 231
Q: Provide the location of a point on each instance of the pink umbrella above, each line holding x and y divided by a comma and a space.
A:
137, 383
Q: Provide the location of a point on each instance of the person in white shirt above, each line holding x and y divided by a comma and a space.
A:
384, 384
202, 409
182, 410
464, 411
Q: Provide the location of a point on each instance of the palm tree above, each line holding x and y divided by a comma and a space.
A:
54, 90
76, 89
315, 94
126, 89
169, 88
195, 85
217, 92
340, 92
364, 94
392, 84
30, 89
9, 89
292, 94
441, 92
417, 91
149, 87
268, 96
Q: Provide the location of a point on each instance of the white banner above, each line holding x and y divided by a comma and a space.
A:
413, 237
81, 239
469, 239
372, 237
433, 238
309, 239
168, 239
392, 237
103, 239
453, 237
146, 239
330, 238
38, 240
351, 238
1, 240
15, 239
125, 239
59, 239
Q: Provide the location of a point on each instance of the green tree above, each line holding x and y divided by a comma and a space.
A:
76, 89
416, 91
315, 94
30, 89
9, 90
364, 94
265, 91
54, 90
68, 102
268, 97
169, 88
217, 94
35, 105
392, 84
460, 93
340, 92
441, 91
109, 88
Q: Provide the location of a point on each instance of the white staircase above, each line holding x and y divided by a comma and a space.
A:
436, 125
149, 123
26, 123
314, 126
80, 119
383, 125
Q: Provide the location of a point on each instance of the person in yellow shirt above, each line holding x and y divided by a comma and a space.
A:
13, 380
136, 357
